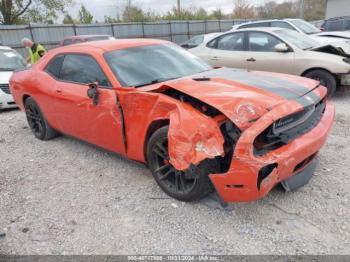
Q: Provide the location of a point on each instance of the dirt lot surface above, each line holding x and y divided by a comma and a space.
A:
66, 197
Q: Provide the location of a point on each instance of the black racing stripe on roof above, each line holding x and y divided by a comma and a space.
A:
280, 87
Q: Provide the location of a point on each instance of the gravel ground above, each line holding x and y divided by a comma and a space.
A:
66, 197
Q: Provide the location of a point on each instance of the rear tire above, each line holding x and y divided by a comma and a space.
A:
326, 79
189, 185
37, 122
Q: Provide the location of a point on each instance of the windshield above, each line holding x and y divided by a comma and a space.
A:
144, 65
305, 27
299, 40
10, 60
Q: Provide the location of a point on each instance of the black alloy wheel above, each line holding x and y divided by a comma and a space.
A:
189, 185
37, 123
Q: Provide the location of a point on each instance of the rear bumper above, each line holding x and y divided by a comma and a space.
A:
241, 182
6, 100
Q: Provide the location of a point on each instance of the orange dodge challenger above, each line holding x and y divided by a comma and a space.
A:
197, 128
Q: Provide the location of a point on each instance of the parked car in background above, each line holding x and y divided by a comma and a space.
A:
84, 38
197, 40
278, 50
10, 60
336, 24
341, 39
196, 127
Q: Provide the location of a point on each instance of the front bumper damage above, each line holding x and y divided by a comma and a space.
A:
345, 79
241, 182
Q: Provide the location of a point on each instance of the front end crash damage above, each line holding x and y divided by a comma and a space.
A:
198, 132
344, 79
251, 176
330, 49
192, 138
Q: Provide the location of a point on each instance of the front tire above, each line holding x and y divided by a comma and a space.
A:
189, 185
326, 79
36, 121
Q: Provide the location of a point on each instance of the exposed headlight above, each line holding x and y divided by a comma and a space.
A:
248, 113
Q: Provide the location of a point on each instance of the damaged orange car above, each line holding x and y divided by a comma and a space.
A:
197, 128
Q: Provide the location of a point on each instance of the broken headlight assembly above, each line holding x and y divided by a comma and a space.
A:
288, 128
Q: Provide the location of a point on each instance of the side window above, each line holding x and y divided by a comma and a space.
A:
67, 41
262, 24
233, 42
282, 25
54, 66
82, 69
335, 25
262, 42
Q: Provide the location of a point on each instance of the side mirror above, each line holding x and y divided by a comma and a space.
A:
93, 92
282, 48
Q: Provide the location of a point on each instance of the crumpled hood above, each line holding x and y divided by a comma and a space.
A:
240, 93
338, 48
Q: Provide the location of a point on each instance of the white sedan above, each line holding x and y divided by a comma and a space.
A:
10, 60
277, 50
337, 38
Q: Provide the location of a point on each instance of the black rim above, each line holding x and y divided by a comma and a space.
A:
35, 119
177, 182
321, 80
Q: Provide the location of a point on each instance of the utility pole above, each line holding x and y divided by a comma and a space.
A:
178, 7
302, 2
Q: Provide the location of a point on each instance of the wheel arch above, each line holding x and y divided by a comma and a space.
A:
154, 126
24, 98
316, 68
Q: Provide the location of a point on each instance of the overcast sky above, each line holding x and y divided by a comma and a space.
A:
100, 8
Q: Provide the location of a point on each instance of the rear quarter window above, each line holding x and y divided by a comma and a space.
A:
54, 66
82, 69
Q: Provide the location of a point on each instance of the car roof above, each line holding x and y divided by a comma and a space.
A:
85, 36
268, 20
110, 45
262, 21
262, 29
338, 18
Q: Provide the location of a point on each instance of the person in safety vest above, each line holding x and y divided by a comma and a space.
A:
36, 50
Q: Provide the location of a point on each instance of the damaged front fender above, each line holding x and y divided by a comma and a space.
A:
193, 137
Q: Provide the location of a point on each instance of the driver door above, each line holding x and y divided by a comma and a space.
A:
77, 115
262, 55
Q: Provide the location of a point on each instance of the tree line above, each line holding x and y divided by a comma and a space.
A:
49, 11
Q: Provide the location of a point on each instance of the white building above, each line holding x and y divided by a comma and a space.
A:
335, 8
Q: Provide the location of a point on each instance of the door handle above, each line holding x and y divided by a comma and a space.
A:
214, 58
251, 59
59, 91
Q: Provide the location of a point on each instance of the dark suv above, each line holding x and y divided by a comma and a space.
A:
337, 24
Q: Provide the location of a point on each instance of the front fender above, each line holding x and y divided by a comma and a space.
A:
193, 136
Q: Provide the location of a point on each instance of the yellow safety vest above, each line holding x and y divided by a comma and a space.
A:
34, 57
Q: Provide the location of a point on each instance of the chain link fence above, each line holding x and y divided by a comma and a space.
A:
51, 35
